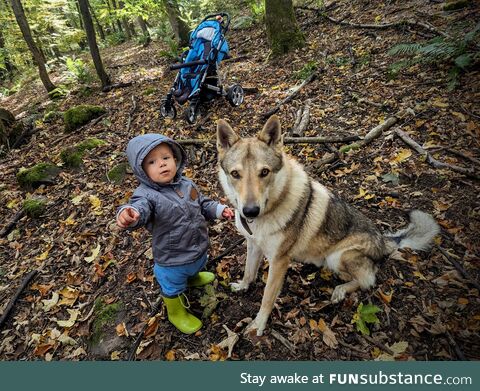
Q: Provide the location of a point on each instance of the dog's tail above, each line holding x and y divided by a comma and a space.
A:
418, 235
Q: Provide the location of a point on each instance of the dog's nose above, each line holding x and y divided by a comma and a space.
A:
251, 211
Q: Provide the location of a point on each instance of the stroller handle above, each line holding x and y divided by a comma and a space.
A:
214, 16
187, 64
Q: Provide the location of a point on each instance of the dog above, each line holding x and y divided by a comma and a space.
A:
287, 216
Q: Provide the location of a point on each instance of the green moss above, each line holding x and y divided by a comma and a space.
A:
42, 173
81, 115
117, 173
348, 148
90, 143
104, 315
150, 91
72, 157
51, 116
455, 5
34, 207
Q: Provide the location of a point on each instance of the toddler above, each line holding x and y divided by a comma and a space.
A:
174, 211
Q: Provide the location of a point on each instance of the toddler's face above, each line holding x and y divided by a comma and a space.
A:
160, 164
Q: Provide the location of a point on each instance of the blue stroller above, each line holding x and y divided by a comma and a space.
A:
198, 80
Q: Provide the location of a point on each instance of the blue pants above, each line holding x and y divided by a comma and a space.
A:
173, 279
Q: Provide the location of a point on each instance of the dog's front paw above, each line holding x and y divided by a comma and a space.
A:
239, 286
257, 324
338, 294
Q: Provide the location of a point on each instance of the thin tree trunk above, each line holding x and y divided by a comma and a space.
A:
119, 25
27, 35
145, 32
9, 67
92, 43
99, 26
179, 27
282, 29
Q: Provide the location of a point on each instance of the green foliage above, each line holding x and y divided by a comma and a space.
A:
80, 115
306, 70
34, 207
78, 70
60, 92
116, 38
173, 50
38, 174
210, 300
365, 314
460, 52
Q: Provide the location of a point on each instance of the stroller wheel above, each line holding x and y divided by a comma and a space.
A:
191, 113
235, 95
168, 112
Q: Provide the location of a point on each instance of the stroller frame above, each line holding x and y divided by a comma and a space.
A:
209, 85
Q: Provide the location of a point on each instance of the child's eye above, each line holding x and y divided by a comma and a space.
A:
151, 162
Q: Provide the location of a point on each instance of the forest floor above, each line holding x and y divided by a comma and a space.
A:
430, 309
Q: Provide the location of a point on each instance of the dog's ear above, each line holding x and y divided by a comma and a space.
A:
272, 132
226, 136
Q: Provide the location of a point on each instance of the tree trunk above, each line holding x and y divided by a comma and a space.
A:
179, 27
92, 43
27, 35
99, 26
143, 27
7, 64
282, 29
119, 25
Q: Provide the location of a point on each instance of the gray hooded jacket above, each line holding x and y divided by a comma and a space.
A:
175, 213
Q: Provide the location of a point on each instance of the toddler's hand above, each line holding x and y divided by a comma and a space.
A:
127, 217
228, 213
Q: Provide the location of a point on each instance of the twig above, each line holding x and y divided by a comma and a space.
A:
203, 121
459, 267
228, 250
153, 312
432, 161
10, 305
250, 90
458, 351
286, 140
118, 85
8, 228
379, 344
309, 79
401, 23
80, 129
285, 342
236, 59
132, 111
354, 348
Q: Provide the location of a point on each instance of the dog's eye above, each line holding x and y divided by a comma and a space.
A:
264, 172
235, 174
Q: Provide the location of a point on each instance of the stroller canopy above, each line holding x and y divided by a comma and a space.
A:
207, 42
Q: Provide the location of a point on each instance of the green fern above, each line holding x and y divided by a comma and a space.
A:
460, 52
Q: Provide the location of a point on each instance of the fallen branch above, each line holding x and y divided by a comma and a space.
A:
301, 121
20, 289
308, 80
118, 85
459, 267
286, 140
8, 228
236, 59
285, 342
80, 129
432, 161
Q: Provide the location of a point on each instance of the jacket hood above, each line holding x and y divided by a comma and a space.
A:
139, 147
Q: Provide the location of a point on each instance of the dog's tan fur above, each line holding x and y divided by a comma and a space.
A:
286, 215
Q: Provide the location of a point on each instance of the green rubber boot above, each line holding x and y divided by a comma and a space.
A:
180, 317
201, 279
